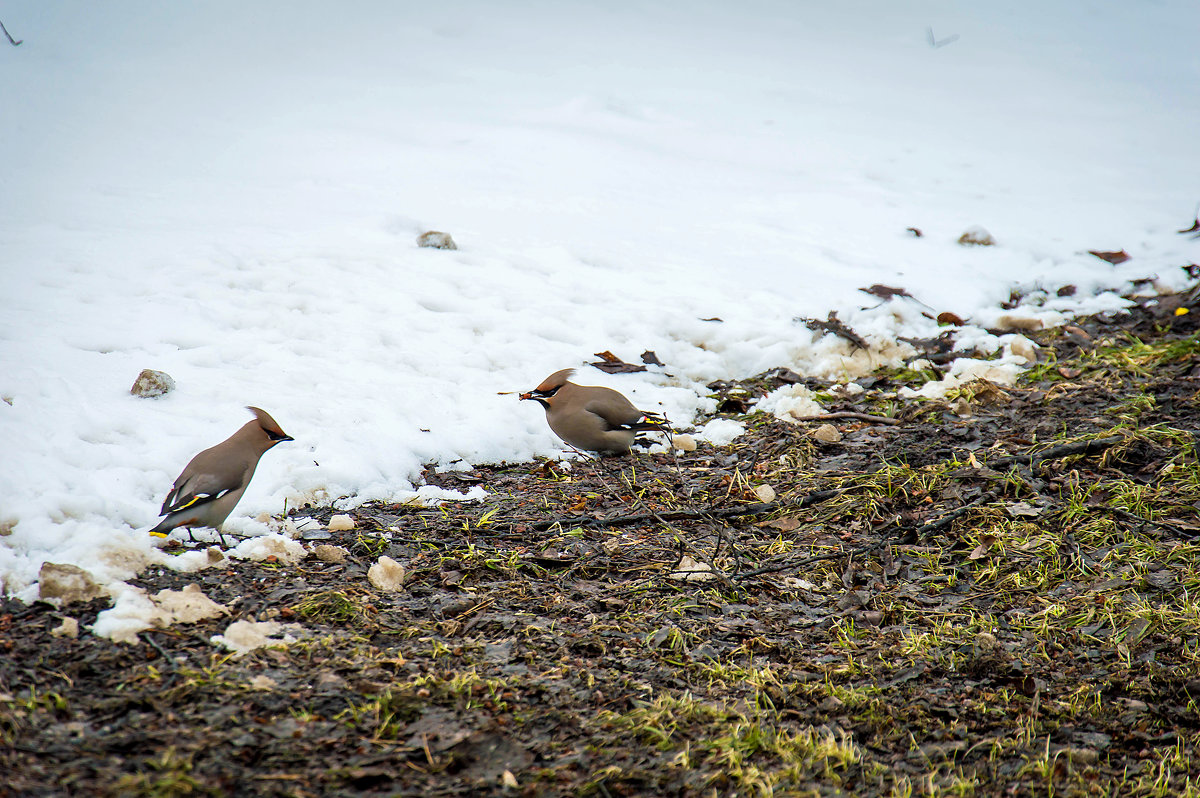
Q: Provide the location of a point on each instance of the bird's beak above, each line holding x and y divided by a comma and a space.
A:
286, 438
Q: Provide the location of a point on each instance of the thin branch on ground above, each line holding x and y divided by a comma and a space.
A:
849, 414
1094, 446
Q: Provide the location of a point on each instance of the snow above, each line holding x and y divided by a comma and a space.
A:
231, 193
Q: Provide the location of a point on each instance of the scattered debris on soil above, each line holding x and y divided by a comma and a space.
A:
994, 592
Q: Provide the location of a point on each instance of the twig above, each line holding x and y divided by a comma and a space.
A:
782, 566
850, 414
1094, 446
1163, 525
11, 40
166, 657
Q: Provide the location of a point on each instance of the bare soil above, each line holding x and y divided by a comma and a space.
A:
992, 594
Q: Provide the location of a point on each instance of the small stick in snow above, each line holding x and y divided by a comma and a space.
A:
936, 43
852, 415
11, 40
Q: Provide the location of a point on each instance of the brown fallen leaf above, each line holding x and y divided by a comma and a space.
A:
885, 292
1067, 290
611, 364
714, 318
985, 543
1068, 372
946, 317
834, 325
1195, 226
916, 231
651, 359
785, 524
1119, 256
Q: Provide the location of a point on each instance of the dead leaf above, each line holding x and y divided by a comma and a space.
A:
1195, 226
888, 560
1068, 372
1119, 256
885, 292
833, 324
946, 317
1022, 510
985, 544
848, 574
1067, 290
785, 524
611, 364
651, 359
714, 318
916, 231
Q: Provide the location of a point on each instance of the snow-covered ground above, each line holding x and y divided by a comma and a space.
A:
230, 192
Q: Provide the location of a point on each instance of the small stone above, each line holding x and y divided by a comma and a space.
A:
330, 554
435, 239
827, 433
68, 628
690, 570
60, 584
765, 494
387, 574
151, 383
340, 523
684, 443
262, 682
976, 237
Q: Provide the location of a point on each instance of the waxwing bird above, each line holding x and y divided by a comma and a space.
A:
213, 482
590, 417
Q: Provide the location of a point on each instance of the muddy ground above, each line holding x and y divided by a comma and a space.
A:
992, 594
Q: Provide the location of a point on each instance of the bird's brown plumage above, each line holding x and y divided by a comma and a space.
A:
590, 417
213, 481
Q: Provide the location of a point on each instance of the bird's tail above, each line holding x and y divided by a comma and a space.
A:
651, 421
164, 527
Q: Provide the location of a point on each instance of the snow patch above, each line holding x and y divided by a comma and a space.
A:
721, 431
790, 403
963, 370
